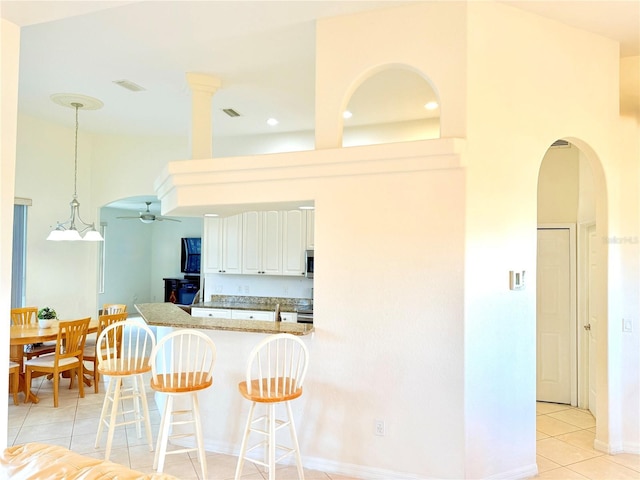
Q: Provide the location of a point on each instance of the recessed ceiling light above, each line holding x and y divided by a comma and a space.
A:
272, 121
431, 105
347, 114
211, 215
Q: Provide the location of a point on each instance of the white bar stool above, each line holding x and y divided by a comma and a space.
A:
122, 351
275, 373
182, 364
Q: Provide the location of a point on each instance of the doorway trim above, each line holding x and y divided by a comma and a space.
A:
582, 303
573, 296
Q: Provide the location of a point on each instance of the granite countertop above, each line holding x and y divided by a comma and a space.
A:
170, 315
256, 303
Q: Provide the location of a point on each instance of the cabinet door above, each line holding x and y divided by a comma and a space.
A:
262, 243
294, 233
211, 312
252, 315
252, 243
232, 245
271, 243
212, 245
311, 217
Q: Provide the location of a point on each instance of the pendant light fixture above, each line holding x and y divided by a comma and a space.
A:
74, 226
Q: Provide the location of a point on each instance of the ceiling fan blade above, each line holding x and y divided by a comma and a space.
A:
167, 218
129, 218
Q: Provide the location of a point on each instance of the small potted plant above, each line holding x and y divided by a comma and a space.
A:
46, 316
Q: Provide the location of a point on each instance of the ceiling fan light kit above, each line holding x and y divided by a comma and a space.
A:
148, 217
73, 228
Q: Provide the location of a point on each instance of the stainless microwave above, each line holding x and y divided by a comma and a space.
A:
308, 264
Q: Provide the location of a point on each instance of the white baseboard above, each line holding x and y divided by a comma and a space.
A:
529, 471
617, 448
631, 447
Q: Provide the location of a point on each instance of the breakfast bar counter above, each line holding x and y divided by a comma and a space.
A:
170, 315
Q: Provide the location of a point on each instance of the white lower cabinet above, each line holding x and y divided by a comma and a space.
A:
262, 315
211, 312
289, 317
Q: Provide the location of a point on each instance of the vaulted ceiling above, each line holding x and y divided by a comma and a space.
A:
263, 51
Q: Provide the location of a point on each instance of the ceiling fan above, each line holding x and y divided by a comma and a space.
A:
148, 217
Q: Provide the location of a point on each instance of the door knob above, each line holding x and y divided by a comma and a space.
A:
587, 326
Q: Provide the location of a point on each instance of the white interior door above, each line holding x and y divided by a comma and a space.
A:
592, 328
554, 316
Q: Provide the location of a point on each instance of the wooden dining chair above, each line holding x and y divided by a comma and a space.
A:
29, 316
110, 308
68, 357
90, 350
14, 375
107, 309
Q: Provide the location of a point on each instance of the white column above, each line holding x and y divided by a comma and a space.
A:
202, 89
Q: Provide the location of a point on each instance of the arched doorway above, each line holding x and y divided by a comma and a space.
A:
571, 324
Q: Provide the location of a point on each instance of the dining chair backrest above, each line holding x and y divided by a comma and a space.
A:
24, 315
183, 361
71, 337
277, 367
105, 320
124, 347
111, 308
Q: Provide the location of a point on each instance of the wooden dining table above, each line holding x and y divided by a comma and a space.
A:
22, 335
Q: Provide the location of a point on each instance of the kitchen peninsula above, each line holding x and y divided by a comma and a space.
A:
170, 315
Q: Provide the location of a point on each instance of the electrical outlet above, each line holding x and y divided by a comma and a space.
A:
626, 325
246, 289
379, 428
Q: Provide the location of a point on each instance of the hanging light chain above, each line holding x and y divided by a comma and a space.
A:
77, 106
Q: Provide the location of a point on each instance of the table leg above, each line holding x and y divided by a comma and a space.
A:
16, 354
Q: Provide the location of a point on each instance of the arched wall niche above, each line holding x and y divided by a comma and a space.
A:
387, 104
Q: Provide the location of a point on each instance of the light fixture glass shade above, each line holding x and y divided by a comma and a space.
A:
93, 236
70, 235
56, 235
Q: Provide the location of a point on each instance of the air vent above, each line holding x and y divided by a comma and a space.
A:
129, 85
560, 144
231, 112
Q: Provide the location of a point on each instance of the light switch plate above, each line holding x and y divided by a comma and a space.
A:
516, 280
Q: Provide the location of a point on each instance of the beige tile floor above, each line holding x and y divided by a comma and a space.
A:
74, 425
565, 437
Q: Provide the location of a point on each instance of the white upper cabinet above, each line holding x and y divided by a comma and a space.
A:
222, 246
311, 217
262, 243
258, 243
294, 235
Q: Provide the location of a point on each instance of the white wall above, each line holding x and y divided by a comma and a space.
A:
44, 173
558, 186
257, 286
387, 302
516, 109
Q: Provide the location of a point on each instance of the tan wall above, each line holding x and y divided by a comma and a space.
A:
9, 56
